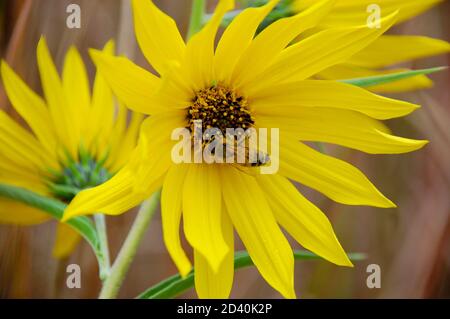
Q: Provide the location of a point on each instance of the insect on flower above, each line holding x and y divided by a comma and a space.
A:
270, 80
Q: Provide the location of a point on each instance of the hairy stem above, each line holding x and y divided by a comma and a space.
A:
100, 225
126, 255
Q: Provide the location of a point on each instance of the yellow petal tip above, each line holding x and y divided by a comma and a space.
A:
185, 271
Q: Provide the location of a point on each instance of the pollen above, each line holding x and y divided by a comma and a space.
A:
219, 107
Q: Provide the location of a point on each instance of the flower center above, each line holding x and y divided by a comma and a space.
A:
221, 108
78, 175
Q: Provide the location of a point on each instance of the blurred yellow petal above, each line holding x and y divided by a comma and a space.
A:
302, 219
101, 117
334, 178
133, 85
202, 209
31, 107
258, 230
289, 97
316, 53
123, 145
66, 241
171, 199
386, 50
157, 35
56, 100
346, 71
11, 172
16, 213
19, 146
76, 89
354, 12
115, 137
211, 284
342, 127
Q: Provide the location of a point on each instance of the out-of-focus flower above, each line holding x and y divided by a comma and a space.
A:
76, 141
378, 57
246, 82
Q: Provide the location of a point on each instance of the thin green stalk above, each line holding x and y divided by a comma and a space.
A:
126, 255
100, 225
55, 208
196, 21
174, 286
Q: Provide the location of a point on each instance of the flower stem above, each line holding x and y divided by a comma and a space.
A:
100, 225
196, 21
126, 255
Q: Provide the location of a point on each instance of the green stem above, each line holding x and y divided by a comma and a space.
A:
126, 255
55, 208
100, 225
196, 21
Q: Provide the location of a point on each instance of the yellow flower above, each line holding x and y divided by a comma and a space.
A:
387, 50
262, 80
77, 140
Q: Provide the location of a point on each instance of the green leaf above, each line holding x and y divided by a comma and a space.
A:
56, 209
176, 285
392, 77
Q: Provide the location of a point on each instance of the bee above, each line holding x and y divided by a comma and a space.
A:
252, 156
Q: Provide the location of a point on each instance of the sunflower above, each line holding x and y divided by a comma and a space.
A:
77, 140
246, 81
386, 51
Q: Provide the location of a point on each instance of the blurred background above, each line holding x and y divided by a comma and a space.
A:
410, 243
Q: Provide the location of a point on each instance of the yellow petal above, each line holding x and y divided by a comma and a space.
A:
258, 230
334, 178
77, 91
122, 146
114, 140
385, 51
211, 284
236, 38
289, 97
171, 198
316, 53
345, 71
16, 213
133, 85
302, 219
13, 173
199, 62
19, 146
56, 100
342, 127
66, 241
202, 210
157, 35
102, 111
31, 107
154, 150
272, 40
354, 12
114, 197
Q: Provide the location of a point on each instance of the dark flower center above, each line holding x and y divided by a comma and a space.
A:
221, 108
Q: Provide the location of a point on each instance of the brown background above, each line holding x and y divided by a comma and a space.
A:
410, 243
